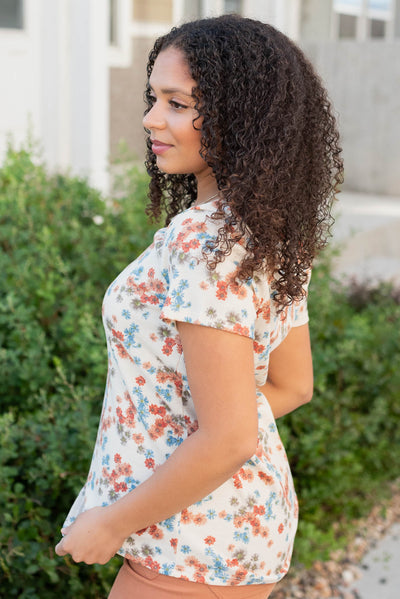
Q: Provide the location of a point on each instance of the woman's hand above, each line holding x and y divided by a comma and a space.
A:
91, 538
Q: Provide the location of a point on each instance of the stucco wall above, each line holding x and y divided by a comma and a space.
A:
363, 79
126, 100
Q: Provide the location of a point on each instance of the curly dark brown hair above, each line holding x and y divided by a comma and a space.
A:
270, 137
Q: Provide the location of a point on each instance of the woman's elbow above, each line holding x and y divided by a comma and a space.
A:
306, 394
242, 446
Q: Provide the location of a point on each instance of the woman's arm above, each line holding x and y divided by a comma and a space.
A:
290, 373
220, 372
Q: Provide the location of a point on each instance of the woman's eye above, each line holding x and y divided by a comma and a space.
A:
176, 105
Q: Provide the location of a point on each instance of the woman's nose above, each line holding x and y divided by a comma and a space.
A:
154, 119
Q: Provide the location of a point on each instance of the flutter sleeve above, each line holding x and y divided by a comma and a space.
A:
196, 294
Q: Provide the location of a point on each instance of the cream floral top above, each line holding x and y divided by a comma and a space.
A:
243, 532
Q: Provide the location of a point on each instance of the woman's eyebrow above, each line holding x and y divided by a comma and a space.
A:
173, 90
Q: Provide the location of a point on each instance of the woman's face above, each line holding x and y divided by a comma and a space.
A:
175, 141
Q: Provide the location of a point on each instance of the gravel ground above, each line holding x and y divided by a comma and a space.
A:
336, 578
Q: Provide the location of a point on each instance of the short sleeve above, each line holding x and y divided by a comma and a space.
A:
196, 294
299, 308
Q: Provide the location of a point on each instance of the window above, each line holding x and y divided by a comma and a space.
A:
11, 14
347, 26
377, 28
364, 19
156, 11
233, 6
113, 32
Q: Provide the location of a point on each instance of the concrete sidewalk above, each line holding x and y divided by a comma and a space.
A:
367, 230
379, 570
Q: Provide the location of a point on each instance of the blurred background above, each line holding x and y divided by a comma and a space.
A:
73, 74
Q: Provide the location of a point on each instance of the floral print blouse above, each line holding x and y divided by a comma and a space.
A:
243, 532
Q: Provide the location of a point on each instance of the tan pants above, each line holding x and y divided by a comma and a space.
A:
137, 582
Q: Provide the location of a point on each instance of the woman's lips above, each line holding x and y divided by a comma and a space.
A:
158, 147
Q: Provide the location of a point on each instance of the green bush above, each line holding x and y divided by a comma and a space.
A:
61, 245
345, 445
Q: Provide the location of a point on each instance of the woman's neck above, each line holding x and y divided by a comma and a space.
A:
207, 189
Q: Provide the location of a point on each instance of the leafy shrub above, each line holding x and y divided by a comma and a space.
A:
345, 444
61, 245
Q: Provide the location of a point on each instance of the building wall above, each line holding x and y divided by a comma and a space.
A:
316, 19
126, 100
56, 75
363, 79
19, 73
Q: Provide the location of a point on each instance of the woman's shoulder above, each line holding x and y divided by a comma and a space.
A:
195, 225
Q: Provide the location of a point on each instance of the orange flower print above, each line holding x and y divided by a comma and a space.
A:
240, 575
121, 351
259, 510
232, 562
186, 517
157, 286
140, 380
156, 532
222, 292
199, 519
281, 528
120, 487
268, 480
157, 430
246, 474
192, 561
162, 377
117, 334
241, 330
258, 348
238, 290
201, 568
209, 540
174, 544
138, 438
237, 481
168, 346
160, 410
125, 469
238, 521
190, 245
150, 563
121, 417
253, 521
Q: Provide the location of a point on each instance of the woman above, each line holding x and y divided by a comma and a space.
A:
207, 330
